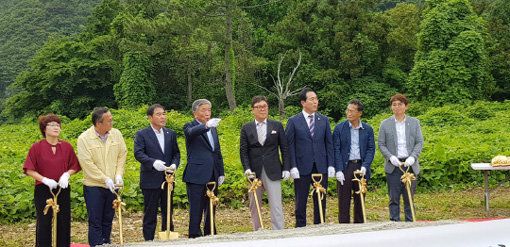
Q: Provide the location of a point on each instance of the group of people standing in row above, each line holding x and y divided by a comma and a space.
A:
267, 150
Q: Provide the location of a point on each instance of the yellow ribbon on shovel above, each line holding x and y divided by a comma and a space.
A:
362, 182
407, 179
169, 180
213, 200
52, 203
254, 184
321, 191
118, 205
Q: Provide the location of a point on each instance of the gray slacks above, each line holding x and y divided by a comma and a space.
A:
274, 196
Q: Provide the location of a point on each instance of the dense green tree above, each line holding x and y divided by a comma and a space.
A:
65, 77
26, 24
404, 21
498, 18
135, 87
451, 63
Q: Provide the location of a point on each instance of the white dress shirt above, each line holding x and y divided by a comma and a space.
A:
161, 137
401, 139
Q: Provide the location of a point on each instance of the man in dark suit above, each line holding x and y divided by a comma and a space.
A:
311, 151
354, 151
260, 140
205, 164
155, 149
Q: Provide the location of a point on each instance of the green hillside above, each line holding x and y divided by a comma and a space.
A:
26, 24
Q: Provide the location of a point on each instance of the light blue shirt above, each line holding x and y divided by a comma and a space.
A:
161, 137
354, 153
105, 136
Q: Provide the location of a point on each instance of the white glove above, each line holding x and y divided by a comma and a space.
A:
221, 179
340, 177
64, 180
213, 123
394, 161
50, 183
331, 172
285, 175
363, 170
409, 161
159, 165
249, 174
109, 184
118, 179
173, 167
294, 173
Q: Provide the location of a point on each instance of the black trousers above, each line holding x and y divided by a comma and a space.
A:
43, 226
198, 207
152, 200
344, 196
395, 189
302, 190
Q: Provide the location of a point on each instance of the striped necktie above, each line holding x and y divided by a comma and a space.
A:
312, 124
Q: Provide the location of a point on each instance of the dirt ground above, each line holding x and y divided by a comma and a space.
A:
440, 208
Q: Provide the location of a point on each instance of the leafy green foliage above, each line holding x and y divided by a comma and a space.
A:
135, 87
26, 25
451, 63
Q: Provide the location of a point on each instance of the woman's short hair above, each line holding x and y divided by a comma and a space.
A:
400, 97
45, 119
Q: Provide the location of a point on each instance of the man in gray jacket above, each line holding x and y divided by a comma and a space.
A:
400, 141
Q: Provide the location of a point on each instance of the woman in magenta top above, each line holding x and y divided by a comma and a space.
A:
48, 161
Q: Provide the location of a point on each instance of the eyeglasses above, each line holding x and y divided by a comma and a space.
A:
261, 107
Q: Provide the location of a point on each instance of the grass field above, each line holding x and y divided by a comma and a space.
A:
430, 206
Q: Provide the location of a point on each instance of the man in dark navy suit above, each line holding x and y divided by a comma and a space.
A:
354, 151
311, 151
156, 149
205, 164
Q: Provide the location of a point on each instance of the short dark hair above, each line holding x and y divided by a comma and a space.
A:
150, 110
257, 99
97, 114
400, 97
358, 103
302, 94
45, 119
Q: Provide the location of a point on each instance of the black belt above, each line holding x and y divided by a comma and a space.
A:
402, 159
355, 161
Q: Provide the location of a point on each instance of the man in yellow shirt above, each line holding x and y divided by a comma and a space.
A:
102, 155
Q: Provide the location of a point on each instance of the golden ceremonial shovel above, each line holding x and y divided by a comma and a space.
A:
169, 180
407, 179
213, 200
255, 183
317, 188
362, 182
117, 206
52, 203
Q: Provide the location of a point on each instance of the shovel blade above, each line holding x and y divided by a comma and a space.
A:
166, 235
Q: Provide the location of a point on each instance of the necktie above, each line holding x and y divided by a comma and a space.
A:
312, 124
211, 139
261, 133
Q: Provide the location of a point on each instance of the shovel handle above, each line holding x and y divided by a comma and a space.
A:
317, 175
213, 184
170, 170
